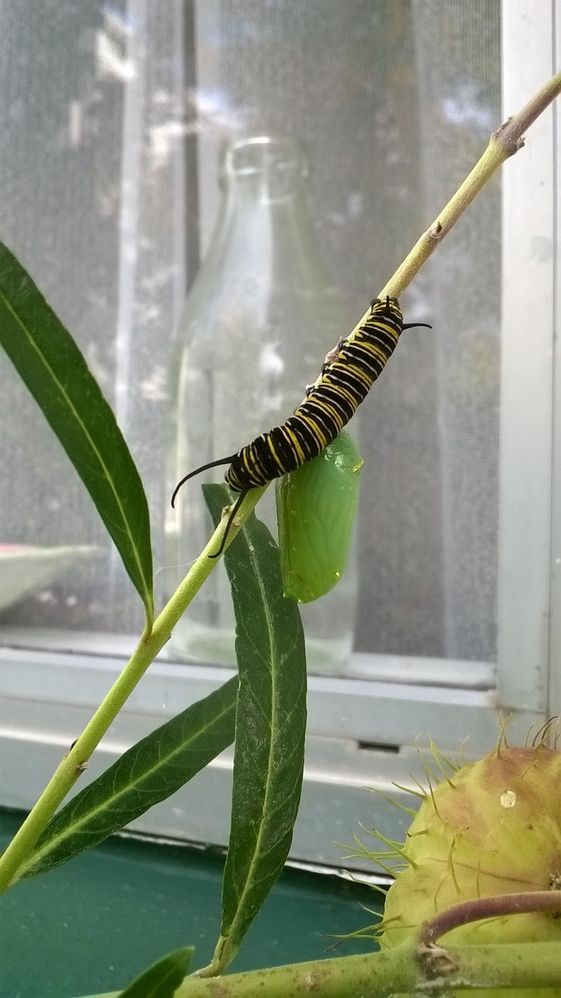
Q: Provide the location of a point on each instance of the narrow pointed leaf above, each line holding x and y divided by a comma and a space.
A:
163, 978
270, 728
55, 372
146, 774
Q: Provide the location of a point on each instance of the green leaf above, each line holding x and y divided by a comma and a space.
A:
163, 978
146, 774
270, 728
51, 365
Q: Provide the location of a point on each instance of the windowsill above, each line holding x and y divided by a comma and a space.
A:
168, 886
417, 670
362, 734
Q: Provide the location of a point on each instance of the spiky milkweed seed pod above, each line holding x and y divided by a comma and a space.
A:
492, 827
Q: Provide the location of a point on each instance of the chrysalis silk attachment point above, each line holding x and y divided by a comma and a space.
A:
316, 509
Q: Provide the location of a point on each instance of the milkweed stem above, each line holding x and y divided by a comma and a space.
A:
71, 767
428, 970
507, 140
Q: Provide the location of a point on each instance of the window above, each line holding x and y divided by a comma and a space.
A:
114, 121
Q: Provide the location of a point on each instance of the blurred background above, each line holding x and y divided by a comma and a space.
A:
115, 119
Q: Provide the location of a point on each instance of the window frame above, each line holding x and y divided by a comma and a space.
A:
47, 696
527, 437
363, 731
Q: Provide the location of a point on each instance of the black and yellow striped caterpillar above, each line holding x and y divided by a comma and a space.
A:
348, 373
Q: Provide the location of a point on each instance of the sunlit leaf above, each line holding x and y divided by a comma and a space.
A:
270, 728
147, 773
55, 372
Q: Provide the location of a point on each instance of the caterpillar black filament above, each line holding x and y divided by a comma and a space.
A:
346, 378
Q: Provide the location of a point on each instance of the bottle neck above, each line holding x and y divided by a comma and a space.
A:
263, 220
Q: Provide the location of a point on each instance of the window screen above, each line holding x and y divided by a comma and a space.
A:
113, 121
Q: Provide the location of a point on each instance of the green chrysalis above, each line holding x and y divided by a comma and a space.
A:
316, 508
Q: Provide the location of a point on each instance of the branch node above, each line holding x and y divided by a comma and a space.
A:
508, 137
435, 961
435, 232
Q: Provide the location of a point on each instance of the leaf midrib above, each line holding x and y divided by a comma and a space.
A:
109, 801
273, 648
46, 364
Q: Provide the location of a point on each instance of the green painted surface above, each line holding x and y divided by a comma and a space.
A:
93, 924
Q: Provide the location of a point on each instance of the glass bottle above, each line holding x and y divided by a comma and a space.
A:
259, 319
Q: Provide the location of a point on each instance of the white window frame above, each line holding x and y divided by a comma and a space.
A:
363, 731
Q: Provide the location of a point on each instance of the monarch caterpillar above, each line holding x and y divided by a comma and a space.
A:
348, 373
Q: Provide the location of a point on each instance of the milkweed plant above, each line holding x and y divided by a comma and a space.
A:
481, 863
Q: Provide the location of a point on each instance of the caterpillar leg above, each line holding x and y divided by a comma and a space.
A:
331, 356
233, 512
